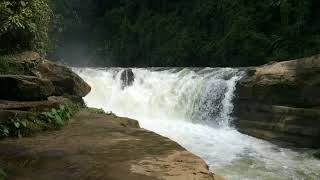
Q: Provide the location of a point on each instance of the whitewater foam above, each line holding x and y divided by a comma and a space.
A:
193, 107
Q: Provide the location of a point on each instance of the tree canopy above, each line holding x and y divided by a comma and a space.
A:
166, 33
24, 25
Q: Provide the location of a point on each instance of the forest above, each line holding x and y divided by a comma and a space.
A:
143, 33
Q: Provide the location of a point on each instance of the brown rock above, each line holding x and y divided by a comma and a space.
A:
63, 78
25, 88
98, 146
280, 102
65, 81
27, 56
293, 83
34, 106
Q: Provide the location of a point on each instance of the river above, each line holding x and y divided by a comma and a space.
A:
193, 106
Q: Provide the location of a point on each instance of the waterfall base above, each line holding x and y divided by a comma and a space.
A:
193, 107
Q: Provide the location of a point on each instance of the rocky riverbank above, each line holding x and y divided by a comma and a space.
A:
100, 146
281, 102
38, 95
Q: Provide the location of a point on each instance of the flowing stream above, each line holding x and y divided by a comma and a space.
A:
193, 107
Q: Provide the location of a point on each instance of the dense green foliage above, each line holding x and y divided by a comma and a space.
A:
24, 25
162, 32
188, 33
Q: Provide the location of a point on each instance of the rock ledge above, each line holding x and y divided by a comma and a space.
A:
100, 146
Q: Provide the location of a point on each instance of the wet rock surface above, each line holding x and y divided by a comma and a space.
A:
99, 146
127, 78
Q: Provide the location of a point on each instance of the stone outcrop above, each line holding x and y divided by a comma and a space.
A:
64, 80
36, 85
100, 146
127, 78
281, 102
25, 88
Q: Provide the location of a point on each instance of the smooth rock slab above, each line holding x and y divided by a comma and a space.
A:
102, 147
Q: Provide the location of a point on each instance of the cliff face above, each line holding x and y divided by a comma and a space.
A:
281, 102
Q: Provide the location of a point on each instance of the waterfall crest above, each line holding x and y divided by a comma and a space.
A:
192, 106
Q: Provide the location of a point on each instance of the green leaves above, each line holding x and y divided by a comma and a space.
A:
17, 124
4, 131
13, 127
53, 119
23, 3
24, 22
57, 116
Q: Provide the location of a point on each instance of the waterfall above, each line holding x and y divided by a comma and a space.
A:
193, 107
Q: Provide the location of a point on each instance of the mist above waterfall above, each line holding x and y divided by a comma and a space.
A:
193, 107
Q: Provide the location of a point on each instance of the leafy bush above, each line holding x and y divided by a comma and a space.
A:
24, 25
14, 127
57, 117
18, 127
4, 131
54, 119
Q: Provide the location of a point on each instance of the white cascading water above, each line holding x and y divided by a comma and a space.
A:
193, 107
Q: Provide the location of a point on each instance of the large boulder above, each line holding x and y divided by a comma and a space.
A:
63, 78
127, 78
281, 102
25, 88
291, 83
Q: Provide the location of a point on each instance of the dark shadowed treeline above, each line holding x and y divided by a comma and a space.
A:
183, 32
193, 32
